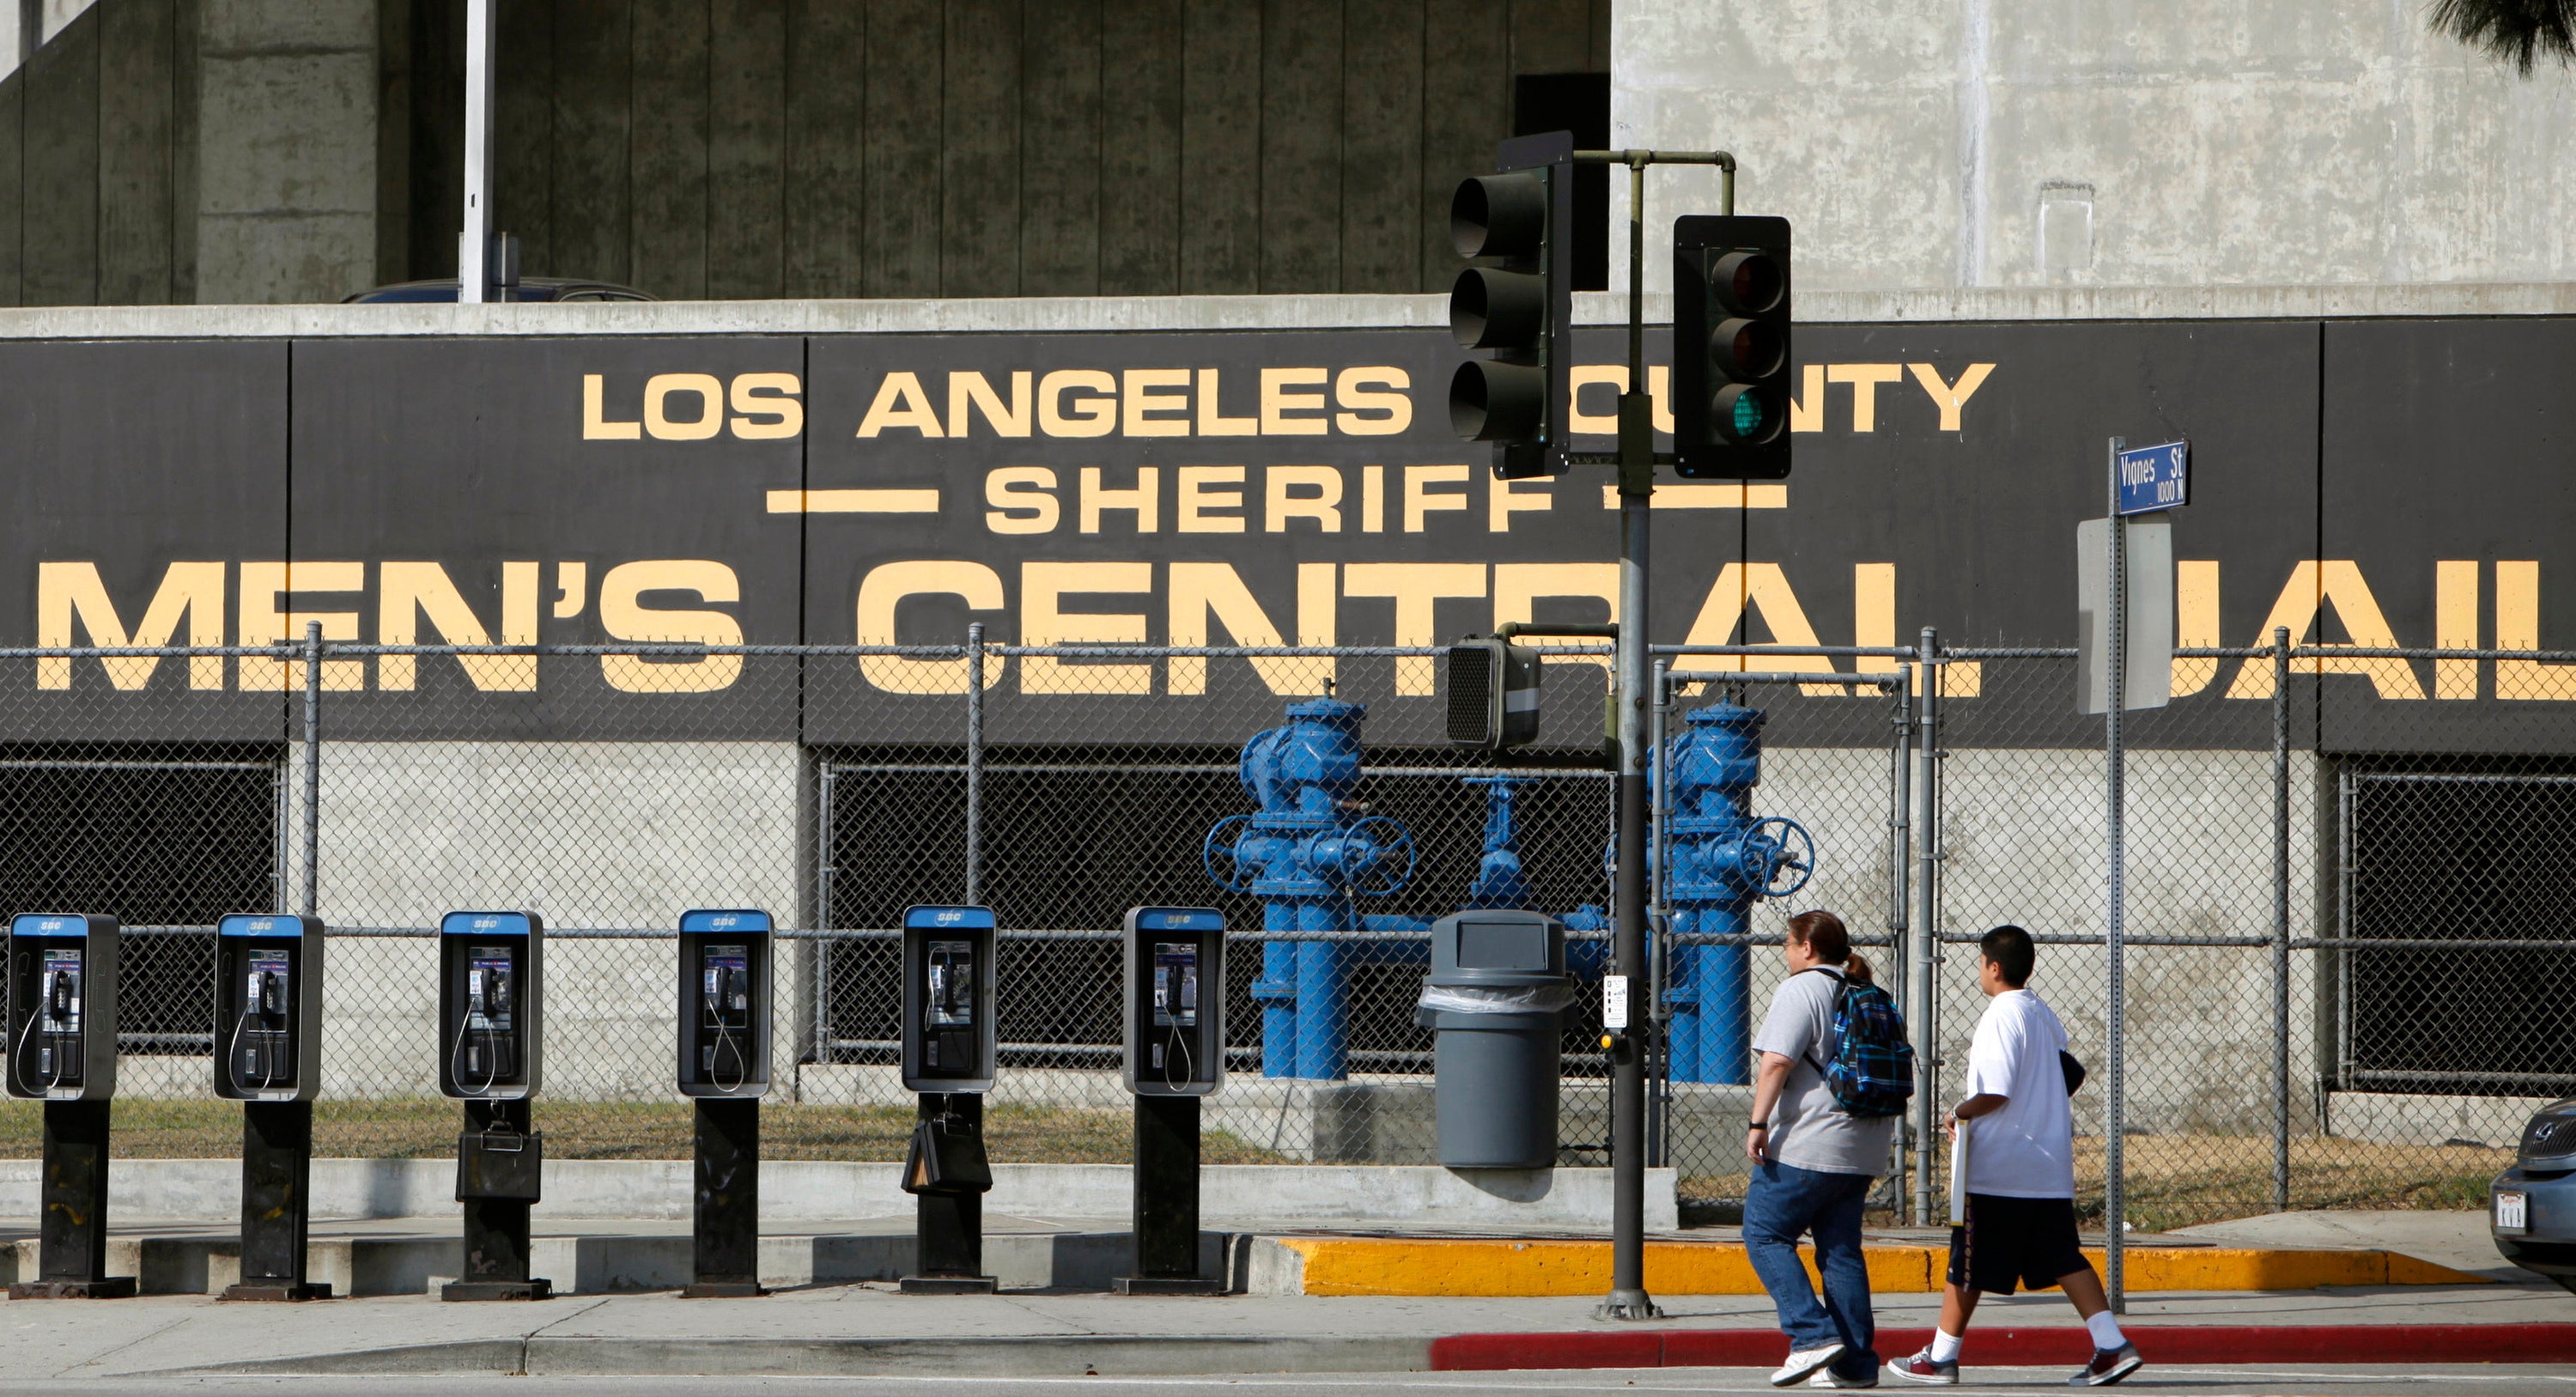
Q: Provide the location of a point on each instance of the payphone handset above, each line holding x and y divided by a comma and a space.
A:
62, 1007
948, 999
1174, 1019
268, 1006
724, 1007
489, 1004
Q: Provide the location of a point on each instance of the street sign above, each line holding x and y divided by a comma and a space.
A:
2148, 598
2154, 477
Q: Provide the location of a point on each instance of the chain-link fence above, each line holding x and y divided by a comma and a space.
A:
2347, 909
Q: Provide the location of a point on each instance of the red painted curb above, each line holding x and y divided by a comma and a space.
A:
2009, 1347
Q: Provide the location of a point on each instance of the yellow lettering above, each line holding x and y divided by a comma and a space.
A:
1864, 380
1744, 590
1324, 506
1417, 589
1197, 498
1421, 500
1949, 397
1023, 502
1204, 590
1807, 410
2195, 624
624, 616
1145, 499
407, 591
1095, 416
264, 622
2455, 626
595, 425
884, 589
968, 393
1043, 621
2315, 585
657, 402
1504, 498
1373, 414
901, 402
1145, 406
766, 407
71, 594
1277, 401
1212, 419
2518, 628
1372, 499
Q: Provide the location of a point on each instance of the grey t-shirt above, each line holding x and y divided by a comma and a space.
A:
1809, 1129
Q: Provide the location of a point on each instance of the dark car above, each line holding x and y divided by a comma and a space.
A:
2531, 1207
535, 288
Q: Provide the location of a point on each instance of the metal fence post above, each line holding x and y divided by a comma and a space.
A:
974, 762
2280, 919
1927, 880
1915, 1152
1659, 922
312, 767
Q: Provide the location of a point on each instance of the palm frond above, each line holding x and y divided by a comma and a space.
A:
2518, 32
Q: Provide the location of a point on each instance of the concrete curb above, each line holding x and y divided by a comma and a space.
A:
1142, 1356
1069, 1355
2006, 1347
1497, 1268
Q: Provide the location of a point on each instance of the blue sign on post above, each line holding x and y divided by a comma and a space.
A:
2154, 477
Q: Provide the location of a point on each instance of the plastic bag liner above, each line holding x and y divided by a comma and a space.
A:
1497, 999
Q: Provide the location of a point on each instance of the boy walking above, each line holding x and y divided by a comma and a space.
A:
2019, 1140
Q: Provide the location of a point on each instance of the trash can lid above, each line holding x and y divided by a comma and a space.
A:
1497, 946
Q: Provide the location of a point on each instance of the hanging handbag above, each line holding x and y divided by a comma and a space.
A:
946, 1156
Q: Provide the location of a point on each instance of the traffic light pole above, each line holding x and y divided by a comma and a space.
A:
1628, 951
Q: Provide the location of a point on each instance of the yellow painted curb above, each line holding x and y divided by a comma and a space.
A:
1479, 1267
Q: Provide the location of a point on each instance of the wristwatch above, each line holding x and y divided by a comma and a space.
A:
1757, 1125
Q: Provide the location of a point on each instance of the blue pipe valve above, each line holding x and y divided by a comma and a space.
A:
1309, 850
1724, 859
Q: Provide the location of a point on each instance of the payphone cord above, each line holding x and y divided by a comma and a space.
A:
26, 962
455, 1057
1181, 1042
232, 1051
725, 1035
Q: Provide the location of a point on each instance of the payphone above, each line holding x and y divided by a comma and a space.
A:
724, 1025
268, 1042
1174, 1054
724, 1009
62, 1051
268, 1007
491, 1034
946, 1054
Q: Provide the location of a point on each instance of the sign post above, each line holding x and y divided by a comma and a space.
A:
2143, 480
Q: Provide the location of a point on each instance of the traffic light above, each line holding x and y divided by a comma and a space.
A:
1731, 347
1520, 305
1493, 693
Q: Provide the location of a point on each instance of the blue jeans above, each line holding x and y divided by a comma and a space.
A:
1784, 1202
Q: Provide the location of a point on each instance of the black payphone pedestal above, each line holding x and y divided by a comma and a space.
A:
61, 1050
496, 1181
724, 1248
277, 1175
725, 1024
268, 1033
72, 1237
1174, 1051
948, 1223
491, 1013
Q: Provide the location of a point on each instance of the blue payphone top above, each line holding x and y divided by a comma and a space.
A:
48, 924
948, 918
259, 924
1179, 919
483, 924
723, 920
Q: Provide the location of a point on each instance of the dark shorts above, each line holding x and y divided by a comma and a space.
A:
2008, 1241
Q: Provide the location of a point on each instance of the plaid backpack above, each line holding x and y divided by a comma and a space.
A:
1872, 1071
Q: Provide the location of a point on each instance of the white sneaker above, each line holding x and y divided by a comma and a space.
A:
1827, 1377
1803, 1363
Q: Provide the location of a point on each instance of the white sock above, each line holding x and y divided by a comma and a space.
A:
2106, 1331
1945, 1345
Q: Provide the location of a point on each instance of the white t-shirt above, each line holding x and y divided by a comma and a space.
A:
2026, 1149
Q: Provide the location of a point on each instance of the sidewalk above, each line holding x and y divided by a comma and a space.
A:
848, 1330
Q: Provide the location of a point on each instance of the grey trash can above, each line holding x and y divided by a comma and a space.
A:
1497, 995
